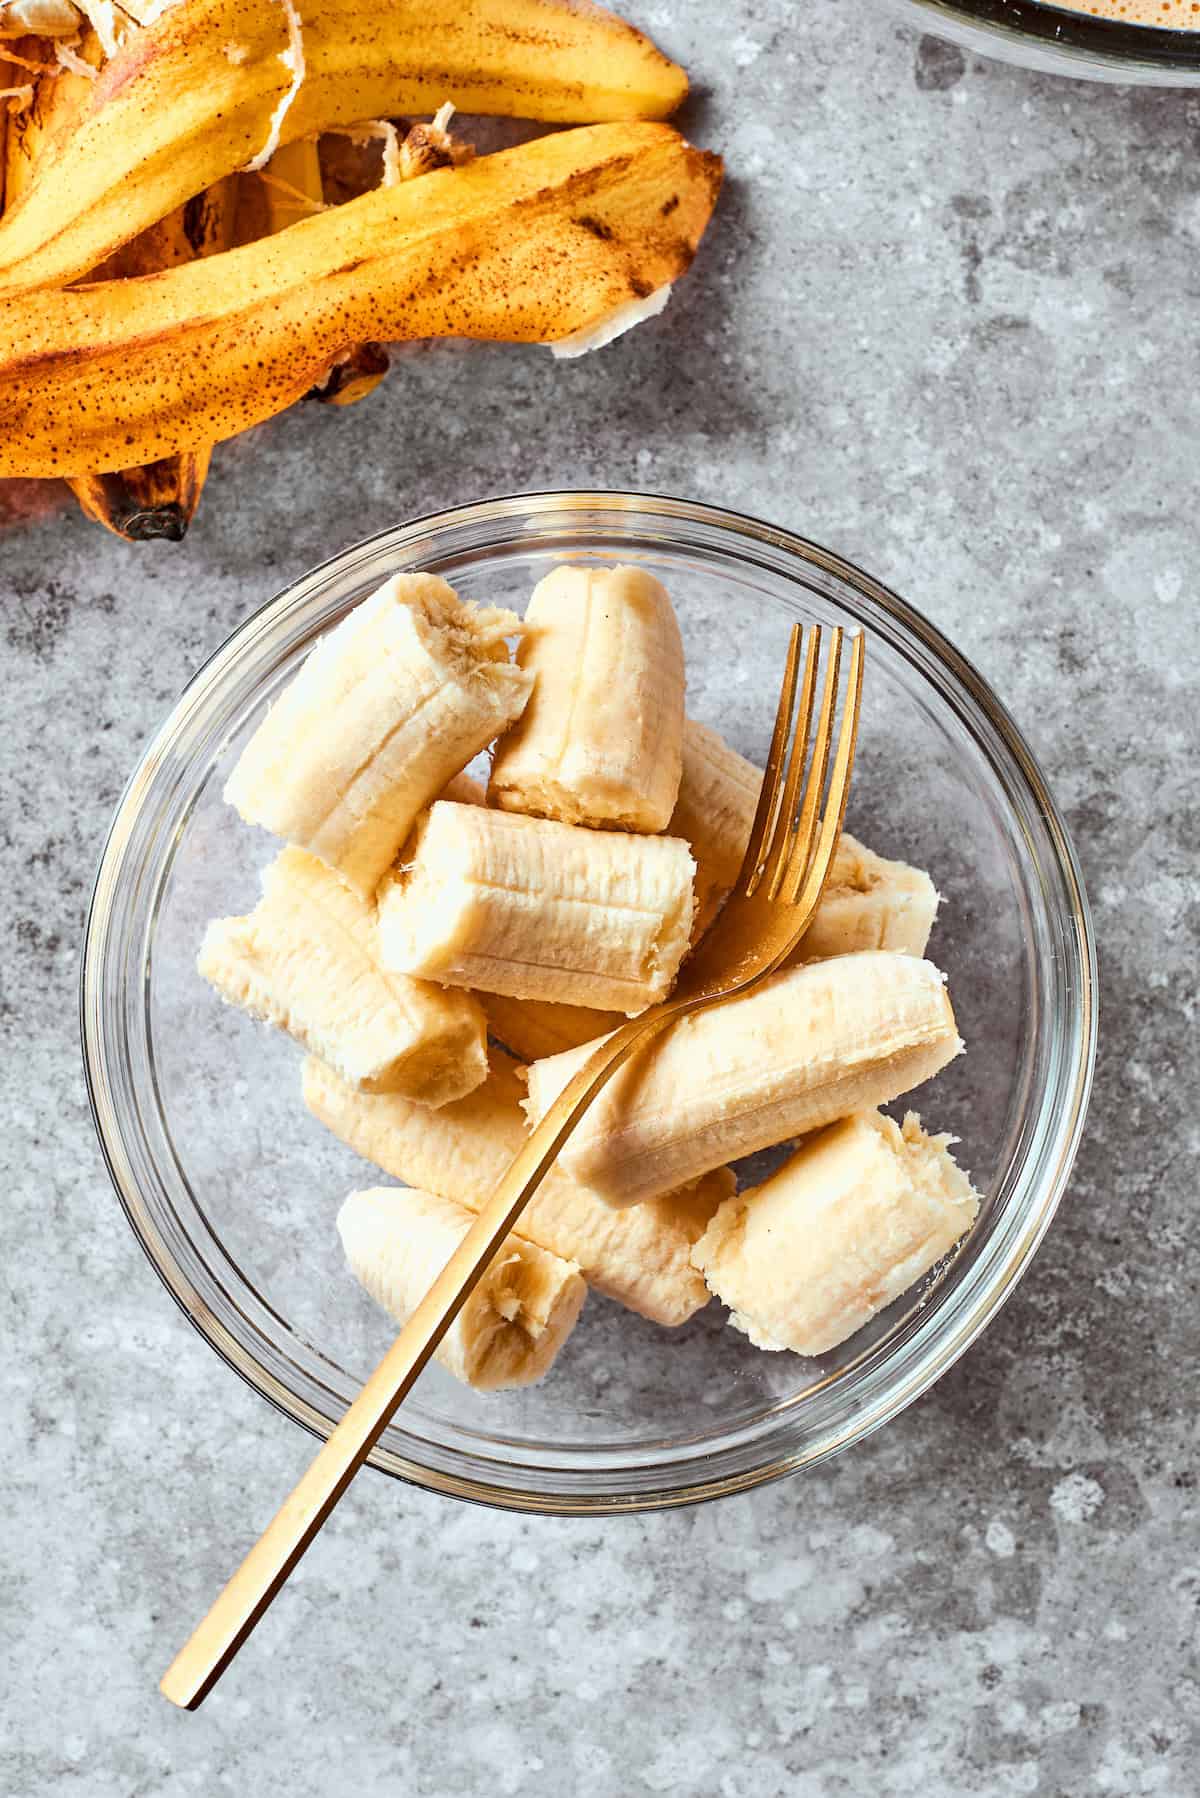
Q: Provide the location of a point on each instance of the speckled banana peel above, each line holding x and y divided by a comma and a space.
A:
39, 18
213, 86
387, 708
515, 1320
538, 909
528, 245
861, 1212
159, 499
808, 1046
306, 960
601, 740
292, 189
640, 1257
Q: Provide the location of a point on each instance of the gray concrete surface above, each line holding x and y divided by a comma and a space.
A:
946, 324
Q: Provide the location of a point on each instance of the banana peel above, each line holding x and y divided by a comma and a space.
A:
143, 505
211, 86
43, 18
159, 500
294, 188
530, 245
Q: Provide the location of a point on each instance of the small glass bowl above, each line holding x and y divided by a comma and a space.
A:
232, 1188
1057, 40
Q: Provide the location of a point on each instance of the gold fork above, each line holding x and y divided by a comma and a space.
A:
787, 861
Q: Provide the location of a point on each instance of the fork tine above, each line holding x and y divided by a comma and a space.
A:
779, 846
768, 793
803, 884
799, 846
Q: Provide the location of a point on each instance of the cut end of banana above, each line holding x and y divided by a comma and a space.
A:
407, 689
861, 1212
607, 330
515, 1320
601, 741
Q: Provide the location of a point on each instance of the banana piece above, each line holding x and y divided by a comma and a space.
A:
859, 1214
306, 960
402, 694
639, 1257
515, 1320
868, 902
718, 791
213, 85
533, 1029
538, 909
600, 741
523, 246
808, 1046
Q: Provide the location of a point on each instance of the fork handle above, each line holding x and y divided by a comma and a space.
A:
247, 1595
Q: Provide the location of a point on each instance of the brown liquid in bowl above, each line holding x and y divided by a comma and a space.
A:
1169, 15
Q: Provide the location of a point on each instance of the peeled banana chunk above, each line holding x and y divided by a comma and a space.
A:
640, 1257
601, 740
306, 959
387, 708
539, 910
808, 1046
532, 1029
861, 1212
868, 902
515, 1320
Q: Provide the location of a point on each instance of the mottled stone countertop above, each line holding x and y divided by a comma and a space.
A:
946, 324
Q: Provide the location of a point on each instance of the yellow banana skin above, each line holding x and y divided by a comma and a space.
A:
524, 246
190, 99
292, 177
157, 501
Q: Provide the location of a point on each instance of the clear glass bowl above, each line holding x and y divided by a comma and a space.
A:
1059, 40
232, 1188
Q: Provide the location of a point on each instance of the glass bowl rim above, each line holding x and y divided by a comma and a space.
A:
1057, 39
1065, 1127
